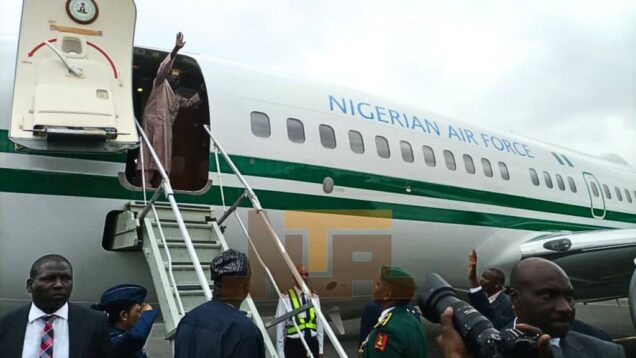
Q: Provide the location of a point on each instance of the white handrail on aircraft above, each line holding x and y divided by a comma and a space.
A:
169, 193
74, 70
251, 195
173, 281
288, 261
258, 256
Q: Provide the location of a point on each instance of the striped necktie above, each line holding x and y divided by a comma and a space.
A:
46, 344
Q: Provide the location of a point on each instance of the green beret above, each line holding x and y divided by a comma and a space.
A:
397, 277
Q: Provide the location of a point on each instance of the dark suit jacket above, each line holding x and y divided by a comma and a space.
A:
586, 329
87, 329
577, 345
499, 312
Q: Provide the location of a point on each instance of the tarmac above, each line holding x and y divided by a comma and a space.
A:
611, 316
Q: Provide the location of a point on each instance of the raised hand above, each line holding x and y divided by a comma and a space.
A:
179, 43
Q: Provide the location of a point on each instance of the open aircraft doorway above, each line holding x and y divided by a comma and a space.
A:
190, 142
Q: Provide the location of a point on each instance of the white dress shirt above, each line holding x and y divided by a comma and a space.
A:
491, 299
35, 328
285, 306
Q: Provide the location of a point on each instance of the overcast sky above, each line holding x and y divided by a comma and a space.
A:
559, 71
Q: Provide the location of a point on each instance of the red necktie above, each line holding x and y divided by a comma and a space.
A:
46, 345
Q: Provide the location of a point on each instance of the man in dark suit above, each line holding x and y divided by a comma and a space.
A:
487, 293
218, 328
51, 326
543, 297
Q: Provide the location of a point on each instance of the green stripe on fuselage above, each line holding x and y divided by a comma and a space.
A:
81, 185
346, 178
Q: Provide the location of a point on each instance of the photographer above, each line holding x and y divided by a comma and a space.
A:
453, 346
542, 298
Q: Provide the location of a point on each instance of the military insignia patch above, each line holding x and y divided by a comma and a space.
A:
380, 341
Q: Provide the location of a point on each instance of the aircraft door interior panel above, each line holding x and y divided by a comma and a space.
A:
73, 84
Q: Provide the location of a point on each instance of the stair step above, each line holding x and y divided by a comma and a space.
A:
184, 274
166, 205
198, 244
197, 232
189, 213
171, 223
206, 251
191, 299
190, 289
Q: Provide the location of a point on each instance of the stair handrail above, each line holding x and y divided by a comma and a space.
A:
169, 194
288, 261
250, 193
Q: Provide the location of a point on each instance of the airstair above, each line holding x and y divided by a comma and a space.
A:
179, 241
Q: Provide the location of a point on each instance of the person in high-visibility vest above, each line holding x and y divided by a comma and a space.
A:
288, 342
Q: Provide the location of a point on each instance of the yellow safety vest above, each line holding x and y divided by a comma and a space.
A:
300, 320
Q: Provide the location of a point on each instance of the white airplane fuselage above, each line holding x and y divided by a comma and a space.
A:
52, 203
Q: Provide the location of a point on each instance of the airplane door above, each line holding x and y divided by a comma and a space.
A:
597, 202
73, 82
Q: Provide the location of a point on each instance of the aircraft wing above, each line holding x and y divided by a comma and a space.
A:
600, 263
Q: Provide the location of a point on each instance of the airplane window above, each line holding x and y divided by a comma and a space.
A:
618, 193
295, 130
594, 189
327, 136
560, 182
608, 194
533, 176
260, 124
572, 184
503, 169
382, 145
407, 151
469, 164
628, 196
429, 155
356, 142
450, 160
485, 163
548, 180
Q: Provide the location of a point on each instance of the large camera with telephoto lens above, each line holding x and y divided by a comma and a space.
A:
478, 333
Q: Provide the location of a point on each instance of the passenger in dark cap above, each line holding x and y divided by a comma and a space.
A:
218, 329
398, 333
129, 317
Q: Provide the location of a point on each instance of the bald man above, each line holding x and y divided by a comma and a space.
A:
542, 296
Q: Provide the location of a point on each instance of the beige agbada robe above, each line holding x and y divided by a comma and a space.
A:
160, 113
